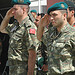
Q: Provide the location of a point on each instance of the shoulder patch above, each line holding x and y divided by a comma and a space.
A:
32, 31
73, 25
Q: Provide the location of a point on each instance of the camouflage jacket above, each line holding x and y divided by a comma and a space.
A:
22, 38
61, 49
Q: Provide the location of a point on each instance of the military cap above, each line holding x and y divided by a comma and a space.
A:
33, 11
25, 2
58, 6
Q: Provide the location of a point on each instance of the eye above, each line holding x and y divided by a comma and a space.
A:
54, 15
50, 15
36, 20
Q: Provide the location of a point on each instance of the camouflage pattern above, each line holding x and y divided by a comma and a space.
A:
21, 40
41, 52
61, 50
40, 72
31, 17
17, 70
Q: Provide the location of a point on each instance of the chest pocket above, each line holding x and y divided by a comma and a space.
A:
16, 40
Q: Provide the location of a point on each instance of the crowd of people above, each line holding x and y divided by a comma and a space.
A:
38, 43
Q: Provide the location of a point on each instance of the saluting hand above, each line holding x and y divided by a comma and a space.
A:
10, 13
44, 20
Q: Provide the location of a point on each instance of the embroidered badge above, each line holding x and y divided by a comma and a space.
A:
32, 31
73, 25
21, 1
62, 6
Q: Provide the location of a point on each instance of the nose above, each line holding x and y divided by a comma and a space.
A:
51, 18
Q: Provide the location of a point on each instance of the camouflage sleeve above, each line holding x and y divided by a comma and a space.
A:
34, 43
44, 38
69, 47
73, 44
8, 28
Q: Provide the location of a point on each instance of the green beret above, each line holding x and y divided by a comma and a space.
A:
33, 11
58, 6
25, 2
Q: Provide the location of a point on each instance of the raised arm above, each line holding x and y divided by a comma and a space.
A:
43, 22
6, 19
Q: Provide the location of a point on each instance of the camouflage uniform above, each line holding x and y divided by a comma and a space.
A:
22, 38
61, 50
42, 57
31, 17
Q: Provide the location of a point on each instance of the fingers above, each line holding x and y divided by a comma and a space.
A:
10, 12
45, 68
44, 20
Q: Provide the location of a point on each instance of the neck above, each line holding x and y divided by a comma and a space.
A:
22, 18
61, 26
72, 21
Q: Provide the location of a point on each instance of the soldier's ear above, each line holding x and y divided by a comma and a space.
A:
24, 9
65, 14
72, 12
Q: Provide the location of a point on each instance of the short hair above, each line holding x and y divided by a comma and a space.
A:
26, 6
71, 8
42, 14
63, 11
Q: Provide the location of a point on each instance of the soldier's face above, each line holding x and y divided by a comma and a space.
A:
17, 11
69, 15
34, 14
56, 18
37, 20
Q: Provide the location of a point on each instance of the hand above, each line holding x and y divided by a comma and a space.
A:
45, 67
44, 20
10, 13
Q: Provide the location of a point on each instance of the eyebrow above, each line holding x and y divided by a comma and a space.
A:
36, 19
53, 14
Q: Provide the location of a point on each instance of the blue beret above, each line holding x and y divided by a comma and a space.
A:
25, 2
33, 11
58, 6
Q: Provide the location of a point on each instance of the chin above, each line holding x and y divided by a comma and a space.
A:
54, 25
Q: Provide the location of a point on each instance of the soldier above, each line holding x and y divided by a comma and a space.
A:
34, 13
41, 63
31, 17
38, 17
59, 39
23, 41
70, 10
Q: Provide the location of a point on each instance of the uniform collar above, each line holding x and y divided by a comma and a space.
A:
66, 28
